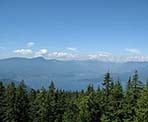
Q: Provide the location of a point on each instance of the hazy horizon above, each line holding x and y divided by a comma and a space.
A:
51, 59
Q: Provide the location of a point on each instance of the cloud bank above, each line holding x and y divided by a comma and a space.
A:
102, 56
23, 51
71, 53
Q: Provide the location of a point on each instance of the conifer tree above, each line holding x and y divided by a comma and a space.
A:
142, 106
21, 103
32, 106
50, 103
84, 113
40, 102
107, 83
136, 84
115, 103
106, 104
107, 87
133, 91
61, 105
2, 102
72, 113
10, 113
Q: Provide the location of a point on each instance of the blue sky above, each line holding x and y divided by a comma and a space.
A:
74, 29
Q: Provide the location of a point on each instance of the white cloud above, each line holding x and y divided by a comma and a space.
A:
23, 51
136, 58
30, 44
71, 48
100, 56
133, 51
62, 55
41, 52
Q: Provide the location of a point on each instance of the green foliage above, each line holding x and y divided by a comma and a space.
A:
2, 102
32, 105
71, 114
107, 83
107, 104
142, 106
83, 105
10, 108
22, 104
50, 103
41, 110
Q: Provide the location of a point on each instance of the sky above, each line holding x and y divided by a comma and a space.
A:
108, 30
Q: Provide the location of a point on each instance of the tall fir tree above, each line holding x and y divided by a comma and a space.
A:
50, 103
115, 105
2, 102
60, 105
21, 103
71, 113
10, 113
107, 83
84, 113
32, 106
141, 108
40, 102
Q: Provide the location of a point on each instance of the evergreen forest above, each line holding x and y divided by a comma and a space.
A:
108, 103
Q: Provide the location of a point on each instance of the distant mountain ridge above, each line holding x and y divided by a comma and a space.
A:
71, 74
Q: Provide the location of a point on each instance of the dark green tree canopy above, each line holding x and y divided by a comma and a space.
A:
110, 103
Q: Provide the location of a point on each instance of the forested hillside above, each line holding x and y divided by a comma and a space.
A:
37, 72
109, 103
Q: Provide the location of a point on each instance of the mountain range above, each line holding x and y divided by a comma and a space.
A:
67, 74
